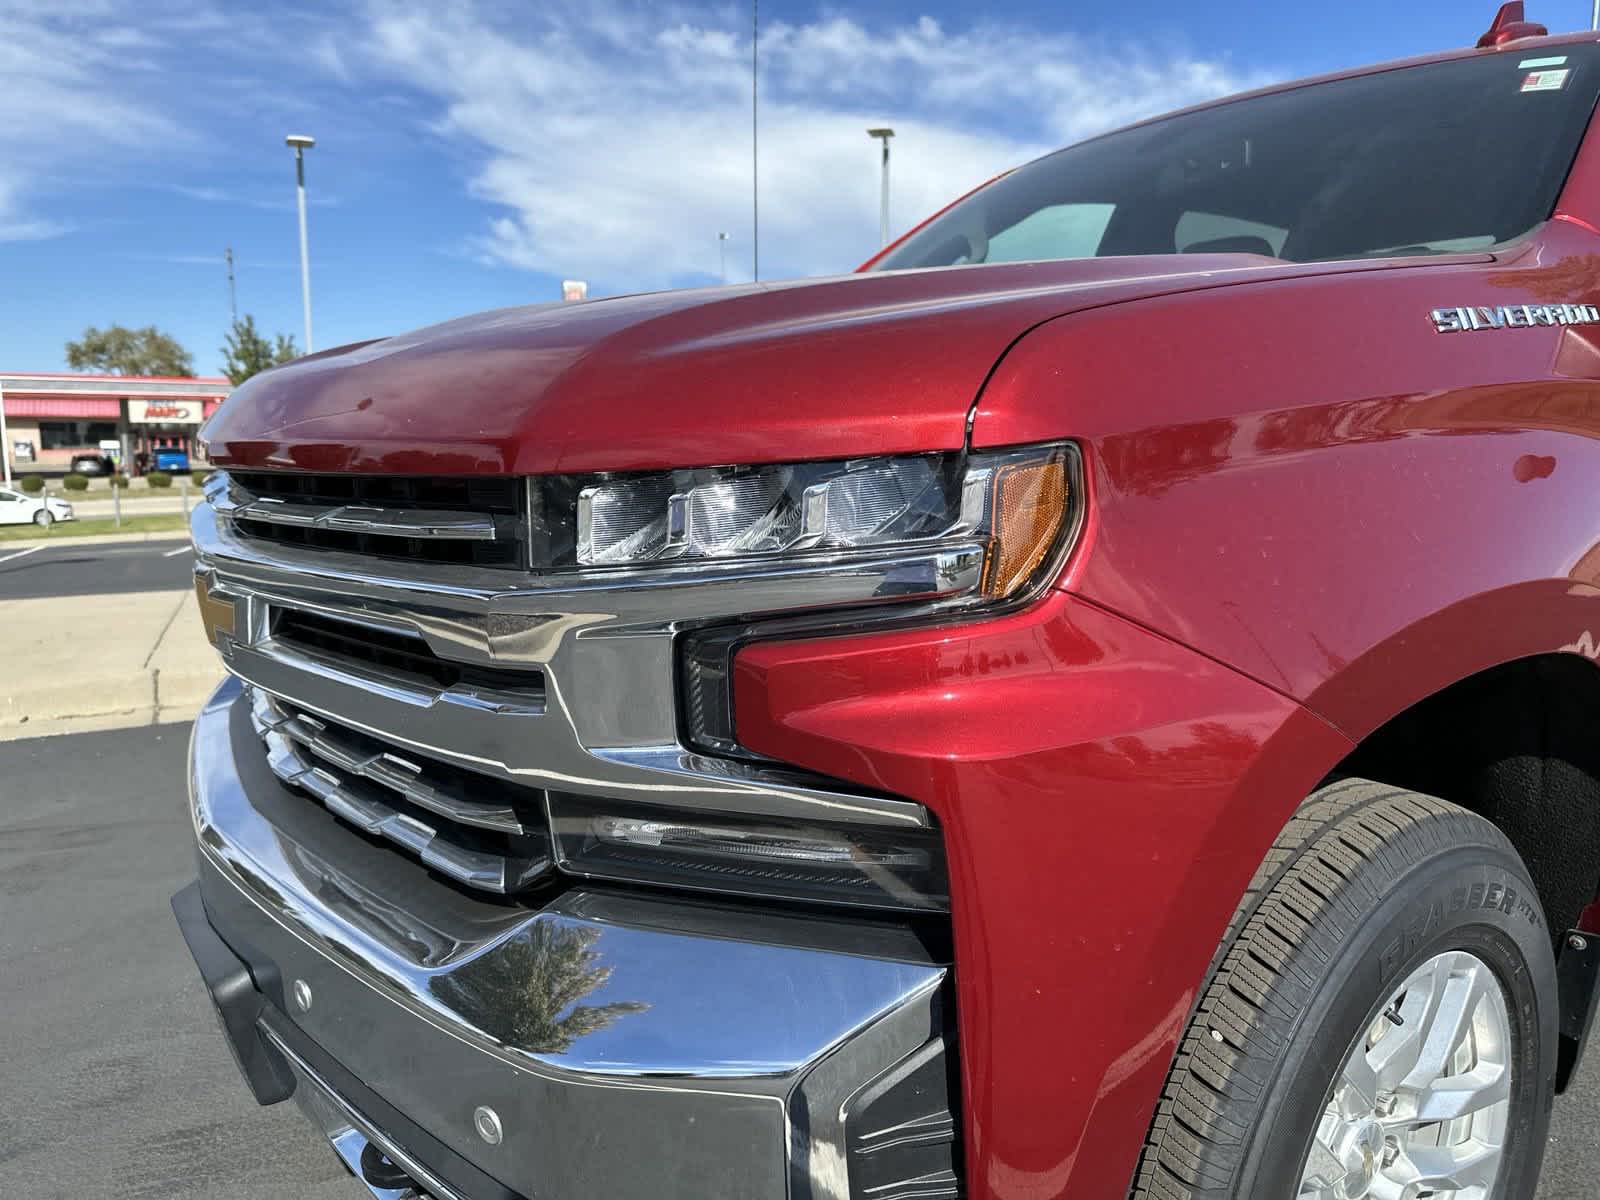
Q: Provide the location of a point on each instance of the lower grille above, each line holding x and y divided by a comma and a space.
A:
902, 1131
396, 654
477, 831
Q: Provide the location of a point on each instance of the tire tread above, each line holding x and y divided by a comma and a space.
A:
1346, 845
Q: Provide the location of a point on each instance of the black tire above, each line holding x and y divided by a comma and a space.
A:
43, 518
1365, 883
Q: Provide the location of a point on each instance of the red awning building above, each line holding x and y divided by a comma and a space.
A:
50, 418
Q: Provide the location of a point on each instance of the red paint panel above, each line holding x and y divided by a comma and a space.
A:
1105, 796
73, 407
865, 364
1312, 484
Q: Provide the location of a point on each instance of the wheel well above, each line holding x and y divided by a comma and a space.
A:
1519, 745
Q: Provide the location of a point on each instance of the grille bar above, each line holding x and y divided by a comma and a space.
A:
431, 524
467, 521
390, 797
350, 751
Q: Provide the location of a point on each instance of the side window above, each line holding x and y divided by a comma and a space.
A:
1204, 232
1059, 231
7, 497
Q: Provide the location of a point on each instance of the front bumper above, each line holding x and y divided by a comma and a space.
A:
627, 1046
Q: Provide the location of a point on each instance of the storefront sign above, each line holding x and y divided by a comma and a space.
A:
165, 412
22, 451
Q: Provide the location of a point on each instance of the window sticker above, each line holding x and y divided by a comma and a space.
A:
1529, 64
1546, 81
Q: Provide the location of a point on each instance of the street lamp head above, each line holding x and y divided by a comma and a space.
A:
300, 141
722, 237
884, 133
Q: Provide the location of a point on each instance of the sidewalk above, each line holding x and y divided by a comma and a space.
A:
75, 663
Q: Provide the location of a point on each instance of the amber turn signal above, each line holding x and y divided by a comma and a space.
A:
1029, 508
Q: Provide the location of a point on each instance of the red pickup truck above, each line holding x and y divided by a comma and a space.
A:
1101, 700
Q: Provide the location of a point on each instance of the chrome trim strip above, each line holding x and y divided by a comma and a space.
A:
422, 523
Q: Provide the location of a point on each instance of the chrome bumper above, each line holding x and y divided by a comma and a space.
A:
627, 1047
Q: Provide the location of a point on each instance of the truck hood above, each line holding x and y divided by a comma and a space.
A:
831, 368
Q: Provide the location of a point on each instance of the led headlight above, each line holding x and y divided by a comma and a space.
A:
1017, 503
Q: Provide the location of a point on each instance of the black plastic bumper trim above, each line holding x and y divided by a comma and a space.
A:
238, 1004
241, 1009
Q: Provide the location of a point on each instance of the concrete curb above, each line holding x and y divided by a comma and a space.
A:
104, 661
148, 698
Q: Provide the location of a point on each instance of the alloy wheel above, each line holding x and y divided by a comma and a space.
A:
1420, 1106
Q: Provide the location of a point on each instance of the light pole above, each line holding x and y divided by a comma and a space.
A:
301, 143
722, 253
5, 442
883, 135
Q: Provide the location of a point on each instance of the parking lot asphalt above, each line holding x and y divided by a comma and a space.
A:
33, 569
114, 1081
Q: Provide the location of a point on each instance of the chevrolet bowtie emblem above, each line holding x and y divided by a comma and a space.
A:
216, 612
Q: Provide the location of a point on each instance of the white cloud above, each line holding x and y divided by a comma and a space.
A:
60, 106
616, 140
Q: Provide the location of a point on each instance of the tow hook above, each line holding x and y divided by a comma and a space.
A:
377, 1170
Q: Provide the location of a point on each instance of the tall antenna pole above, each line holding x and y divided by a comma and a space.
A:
755, 140
1595, 22
233, 297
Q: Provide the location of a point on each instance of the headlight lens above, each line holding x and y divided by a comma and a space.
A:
723, 513
1019, 502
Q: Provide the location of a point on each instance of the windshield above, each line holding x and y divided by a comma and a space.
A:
1451, 156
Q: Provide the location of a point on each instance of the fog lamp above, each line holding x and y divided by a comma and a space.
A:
750, 856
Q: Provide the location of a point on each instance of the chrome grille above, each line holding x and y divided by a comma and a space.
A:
478, 831
465, 521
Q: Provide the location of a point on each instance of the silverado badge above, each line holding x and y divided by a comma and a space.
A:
1513, 316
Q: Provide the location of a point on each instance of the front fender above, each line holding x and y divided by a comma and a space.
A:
1105, 796
1305, 480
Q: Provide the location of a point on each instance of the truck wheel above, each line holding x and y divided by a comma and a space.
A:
1380, 1020
42, 518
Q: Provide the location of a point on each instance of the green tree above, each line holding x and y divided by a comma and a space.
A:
247, 353
118, 350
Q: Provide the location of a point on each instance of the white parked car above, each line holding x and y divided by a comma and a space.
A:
19, 508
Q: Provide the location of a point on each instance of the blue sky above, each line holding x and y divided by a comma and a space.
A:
471, 155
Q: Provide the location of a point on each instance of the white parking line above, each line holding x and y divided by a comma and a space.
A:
21, 553
175, 553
